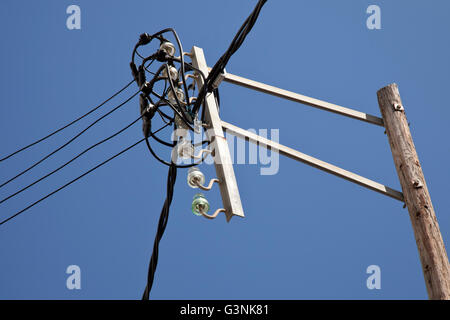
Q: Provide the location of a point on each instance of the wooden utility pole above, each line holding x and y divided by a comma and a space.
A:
435, 264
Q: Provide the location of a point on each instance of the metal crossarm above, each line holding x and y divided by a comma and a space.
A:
311, 161
265, 88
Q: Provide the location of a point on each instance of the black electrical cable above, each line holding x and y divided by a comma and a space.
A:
70, 182
183, 71
234, 46
139, 55
70, 161
159, 103
180, 48
161, 113
163, 116
175, 110
76, 179
146, 39
68, 142
217, 97
148, 66
202, 118
67, 125
162, 223
181, 166
179, 111
172, 87
167, 144
196, 69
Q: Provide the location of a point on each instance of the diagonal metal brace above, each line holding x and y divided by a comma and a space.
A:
311, 161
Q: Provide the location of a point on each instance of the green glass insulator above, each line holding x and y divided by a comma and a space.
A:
200, 203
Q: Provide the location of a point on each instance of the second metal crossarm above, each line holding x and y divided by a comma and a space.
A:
319, 164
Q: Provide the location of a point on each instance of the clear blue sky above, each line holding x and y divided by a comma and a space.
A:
306, 235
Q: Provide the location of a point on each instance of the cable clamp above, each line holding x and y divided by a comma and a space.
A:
144, 39
219, 79
146, 88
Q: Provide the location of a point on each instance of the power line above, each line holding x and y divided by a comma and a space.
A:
223, 60
76, 179
164, 217
68, 142
67, 125
70, 161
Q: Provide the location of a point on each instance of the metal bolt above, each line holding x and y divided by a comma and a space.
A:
398, 107
417, 184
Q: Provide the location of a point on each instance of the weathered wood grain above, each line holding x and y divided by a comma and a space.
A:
428, 237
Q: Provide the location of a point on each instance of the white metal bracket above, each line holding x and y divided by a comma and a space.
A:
222, 158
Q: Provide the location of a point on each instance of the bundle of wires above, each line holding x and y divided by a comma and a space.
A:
182, 119
184, 111
181, 106
171, 178
223, 60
